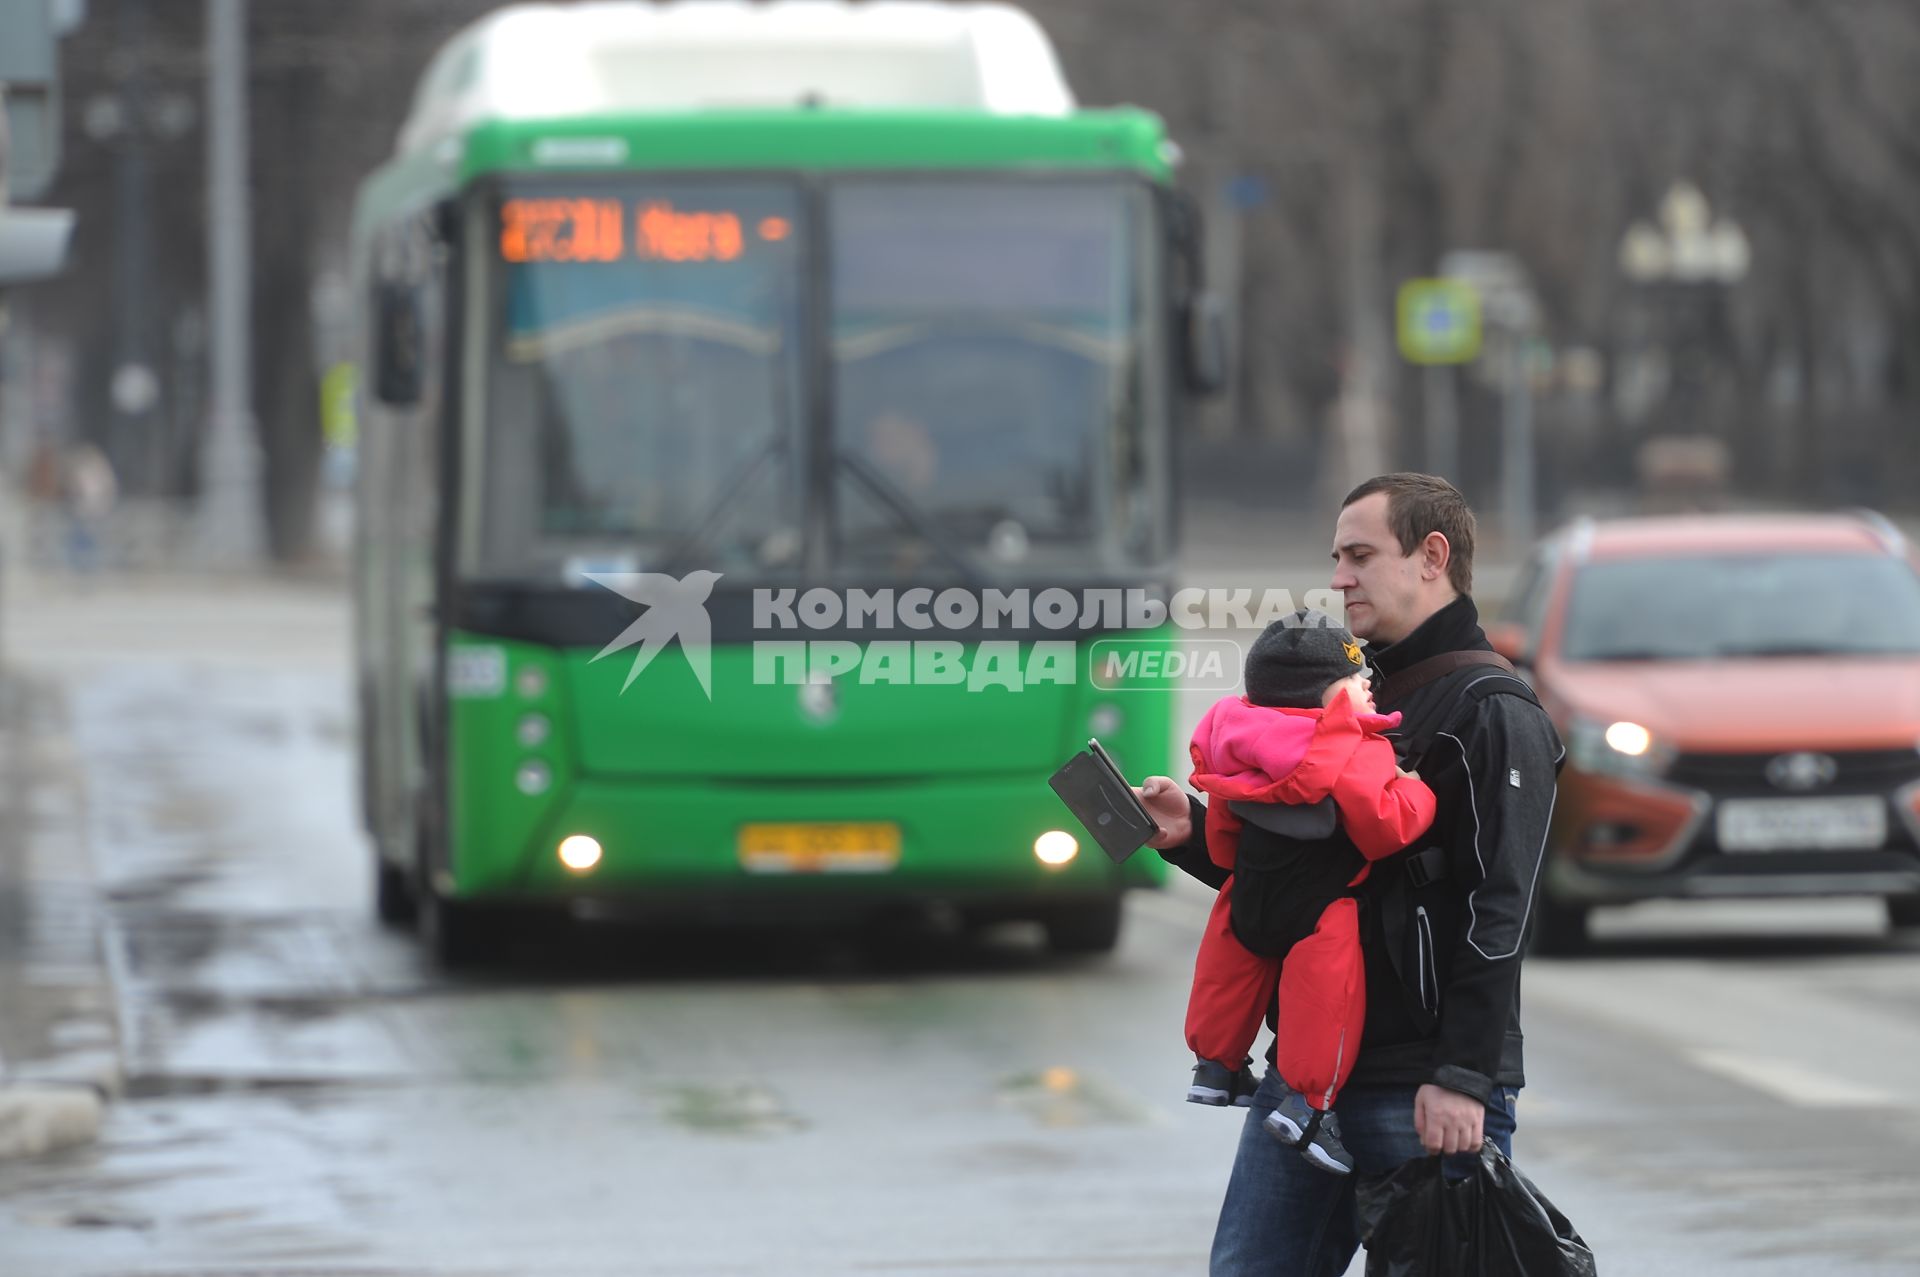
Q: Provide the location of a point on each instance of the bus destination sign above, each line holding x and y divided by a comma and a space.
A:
605, 230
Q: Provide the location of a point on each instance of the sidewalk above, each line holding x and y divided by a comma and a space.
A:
61, 1044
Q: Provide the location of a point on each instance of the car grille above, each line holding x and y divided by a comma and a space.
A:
1860, 771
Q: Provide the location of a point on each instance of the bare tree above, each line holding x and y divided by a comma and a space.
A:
1346, 147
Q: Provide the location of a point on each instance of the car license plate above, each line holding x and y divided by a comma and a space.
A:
819, 848
1801, 824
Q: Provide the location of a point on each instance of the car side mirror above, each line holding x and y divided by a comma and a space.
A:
1509, 638
399, 344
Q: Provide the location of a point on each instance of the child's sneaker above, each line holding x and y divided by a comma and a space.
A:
1216, 1084
1316, 1133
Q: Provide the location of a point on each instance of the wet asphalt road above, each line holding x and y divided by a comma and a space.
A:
1722, 1090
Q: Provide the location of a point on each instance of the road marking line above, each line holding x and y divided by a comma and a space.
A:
1797, 1084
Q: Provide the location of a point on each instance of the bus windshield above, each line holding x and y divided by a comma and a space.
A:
644, 376
987, 363
972, 397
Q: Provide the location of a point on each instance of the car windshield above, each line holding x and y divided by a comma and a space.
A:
1712, 607
987, 375
643, 386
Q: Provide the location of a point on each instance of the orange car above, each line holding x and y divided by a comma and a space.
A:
1740, 699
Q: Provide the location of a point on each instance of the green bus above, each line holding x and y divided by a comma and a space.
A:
692, 332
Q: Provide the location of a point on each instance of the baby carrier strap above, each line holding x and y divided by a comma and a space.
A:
1417, 675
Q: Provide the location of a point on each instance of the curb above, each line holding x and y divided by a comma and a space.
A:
60, 1037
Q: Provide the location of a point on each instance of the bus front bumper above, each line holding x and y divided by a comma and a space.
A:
736, 848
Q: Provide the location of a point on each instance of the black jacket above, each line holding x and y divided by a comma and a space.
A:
1443, 956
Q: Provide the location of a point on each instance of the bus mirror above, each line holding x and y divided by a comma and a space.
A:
399, 344
1205, 345
1200, 322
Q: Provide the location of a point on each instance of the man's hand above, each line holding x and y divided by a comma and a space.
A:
1447, 1121
1168, 806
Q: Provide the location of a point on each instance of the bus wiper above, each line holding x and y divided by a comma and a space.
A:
1792, 649
903, 509
1640, 654
700, 539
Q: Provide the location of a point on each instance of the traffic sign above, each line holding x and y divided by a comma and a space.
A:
1439, 321
339, 425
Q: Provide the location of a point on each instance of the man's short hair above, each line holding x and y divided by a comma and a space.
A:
1418, 504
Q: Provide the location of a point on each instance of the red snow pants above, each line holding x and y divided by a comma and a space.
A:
1321, 988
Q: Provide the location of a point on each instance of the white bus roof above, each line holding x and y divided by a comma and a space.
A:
542, 61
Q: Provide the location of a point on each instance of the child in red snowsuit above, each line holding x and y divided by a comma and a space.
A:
1304, 732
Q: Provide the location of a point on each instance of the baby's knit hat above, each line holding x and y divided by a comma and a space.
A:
1298, 657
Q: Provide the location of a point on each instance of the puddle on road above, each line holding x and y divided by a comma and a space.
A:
1064, 1098
190, 1005
92, 1220
741, 1110
1809, 1208
304, 1092
157, 888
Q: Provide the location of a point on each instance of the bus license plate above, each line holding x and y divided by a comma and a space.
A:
819, 848
1801, 824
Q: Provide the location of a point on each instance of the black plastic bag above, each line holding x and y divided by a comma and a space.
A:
1495, 1223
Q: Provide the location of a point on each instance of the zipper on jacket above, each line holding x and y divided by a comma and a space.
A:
1429, 977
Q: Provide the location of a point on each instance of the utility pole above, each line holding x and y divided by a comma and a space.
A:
1443, 422
231, 511
1361, 408
135, 389
1512, 313
1439, 327
1517, 484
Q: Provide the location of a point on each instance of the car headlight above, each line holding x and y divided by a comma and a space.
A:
1617, 748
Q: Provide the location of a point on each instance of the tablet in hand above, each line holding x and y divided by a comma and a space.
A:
1101, 799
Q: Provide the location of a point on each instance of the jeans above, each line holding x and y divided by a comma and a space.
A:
1283, 1217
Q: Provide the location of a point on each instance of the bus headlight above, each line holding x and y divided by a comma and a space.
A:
579, 852
1056, 847
1105, 720
533, 778
531, 682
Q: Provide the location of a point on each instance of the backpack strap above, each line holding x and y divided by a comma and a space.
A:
1420, 673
